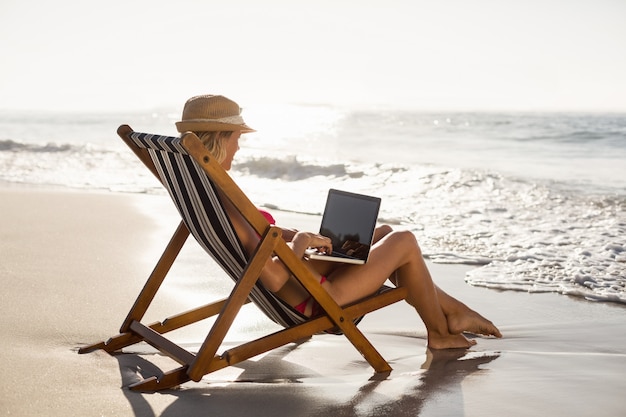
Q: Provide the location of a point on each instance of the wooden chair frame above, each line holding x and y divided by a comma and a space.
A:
206, 360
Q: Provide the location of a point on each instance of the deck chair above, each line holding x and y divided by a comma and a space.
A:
197, 184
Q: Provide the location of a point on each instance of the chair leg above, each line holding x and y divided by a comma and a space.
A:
366, 349
155, 280
168, 380
335, 313
171, 323
236, 299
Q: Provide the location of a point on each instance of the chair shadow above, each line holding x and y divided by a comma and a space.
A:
275, 387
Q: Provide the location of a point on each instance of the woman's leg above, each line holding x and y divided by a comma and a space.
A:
398, 252
459, 316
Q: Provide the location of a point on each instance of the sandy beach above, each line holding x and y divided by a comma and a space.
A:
72, 263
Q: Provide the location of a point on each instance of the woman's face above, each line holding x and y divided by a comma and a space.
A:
232, 146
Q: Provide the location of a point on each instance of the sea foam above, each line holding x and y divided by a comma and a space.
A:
535, 202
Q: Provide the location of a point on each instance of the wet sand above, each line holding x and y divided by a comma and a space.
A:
73, 262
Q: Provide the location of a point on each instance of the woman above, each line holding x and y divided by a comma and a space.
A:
395, 254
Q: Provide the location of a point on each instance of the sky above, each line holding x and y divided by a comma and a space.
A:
469, 55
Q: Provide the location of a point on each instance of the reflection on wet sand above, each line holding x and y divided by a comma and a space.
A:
276, 386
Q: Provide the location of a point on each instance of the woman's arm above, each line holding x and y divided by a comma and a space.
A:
288, 234
275, 275
303, 240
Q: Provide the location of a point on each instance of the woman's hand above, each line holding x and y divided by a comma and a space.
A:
304, 240
321, 243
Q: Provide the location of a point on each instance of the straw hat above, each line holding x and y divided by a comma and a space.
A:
209, 113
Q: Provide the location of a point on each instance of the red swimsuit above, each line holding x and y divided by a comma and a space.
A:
315, 307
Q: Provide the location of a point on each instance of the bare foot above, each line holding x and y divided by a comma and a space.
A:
450, 341
471, 322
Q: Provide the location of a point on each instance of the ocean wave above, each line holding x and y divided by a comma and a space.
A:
520, 234
291, 169
9, 145
520, 231
86, 166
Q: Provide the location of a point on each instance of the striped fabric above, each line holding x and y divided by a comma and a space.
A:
197, 201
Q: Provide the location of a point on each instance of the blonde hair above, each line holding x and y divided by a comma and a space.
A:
214, 142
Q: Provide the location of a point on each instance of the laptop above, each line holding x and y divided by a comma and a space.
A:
349, 220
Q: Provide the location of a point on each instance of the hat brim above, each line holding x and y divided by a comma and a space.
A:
200, 126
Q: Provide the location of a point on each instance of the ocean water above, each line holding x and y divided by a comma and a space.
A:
537, 202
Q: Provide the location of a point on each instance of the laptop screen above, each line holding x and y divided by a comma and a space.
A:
349, 221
